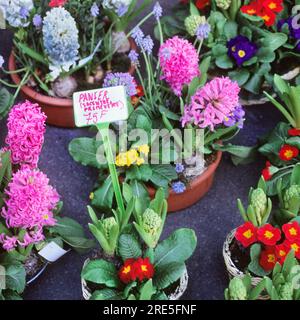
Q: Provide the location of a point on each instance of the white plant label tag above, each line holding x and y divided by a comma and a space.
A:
100, 106
52, 252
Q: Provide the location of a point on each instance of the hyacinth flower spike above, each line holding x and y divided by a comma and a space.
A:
149, 224
260, 206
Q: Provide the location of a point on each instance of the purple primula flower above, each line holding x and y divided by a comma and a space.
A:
121, 79
157, 10
138, 36
241, 49
95, 10
203, 31
178, 187
294, 31
134, 57
1, 62
148, 45
122, 10
179, 168
237, 117
37, 21
24, 13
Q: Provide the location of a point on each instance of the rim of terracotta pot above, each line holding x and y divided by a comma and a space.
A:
44, 99
206, 174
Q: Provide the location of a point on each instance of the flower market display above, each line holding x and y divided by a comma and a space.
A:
131, 133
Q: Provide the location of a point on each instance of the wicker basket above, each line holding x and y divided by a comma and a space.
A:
176, 295
232, 270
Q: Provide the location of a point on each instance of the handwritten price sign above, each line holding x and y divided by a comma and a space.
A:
100, 106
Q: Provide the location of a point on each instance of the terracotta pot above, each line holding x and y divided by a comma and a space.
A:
59, 111
196, 190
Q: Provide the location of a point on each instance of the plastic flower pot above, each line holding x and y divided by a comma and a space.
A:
32, 279
176, 295
197, 189
59, 111
232, 270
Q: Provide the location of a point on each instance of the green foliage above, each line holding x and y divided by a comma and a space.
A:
129, 247
5, 102
254, 265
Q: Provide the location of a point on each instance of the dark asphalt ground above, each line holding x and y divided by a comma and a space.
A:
212, 218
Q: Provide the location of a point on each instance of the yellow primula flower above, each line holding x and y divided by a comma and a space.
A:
140, 161
145, 149
121, 160
132, 157
92, 196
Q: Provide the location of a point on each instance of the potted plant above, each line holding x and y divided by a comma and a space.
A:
280, 146
64, 46
30, 224
260, 243
173, 98
134, 264
249, 41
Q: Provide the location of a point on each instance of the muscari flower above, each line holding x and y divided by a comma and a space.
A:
134, 57
241, 49
37, 21
212, 104
118, 6
31, 200
16, 12
148, 44
138, 36
122, 10
95, 10
178, 187
203, 31
121, 79
26, 129
179, 62
157, 10
60, 36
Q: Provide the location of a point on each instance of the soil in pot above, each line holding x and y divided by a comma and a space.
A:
240, 255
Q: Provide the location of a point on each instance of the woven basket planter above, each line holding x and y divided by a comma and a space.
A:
232, 269
176, 295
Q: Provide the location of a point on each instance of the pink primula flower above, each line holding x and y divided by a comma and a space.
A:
179, 62
212, 104
26, 129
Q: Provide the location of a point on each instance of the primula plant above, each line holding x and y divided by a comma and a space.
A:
142, 267
266, 243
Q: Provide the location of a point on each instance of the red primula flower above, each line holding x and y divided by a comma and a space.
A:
143, 269
268, 259
268, 16
295, 245
292, 231
294, 132
266, 173
287, 153
252, 9
126, 273
201, 4
268, 235
273, 5
140, 91
282, 251
57, 3
246, 234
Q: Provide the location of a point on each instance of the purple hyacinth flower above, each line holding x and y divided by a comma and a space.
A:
241, 49
178, 187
